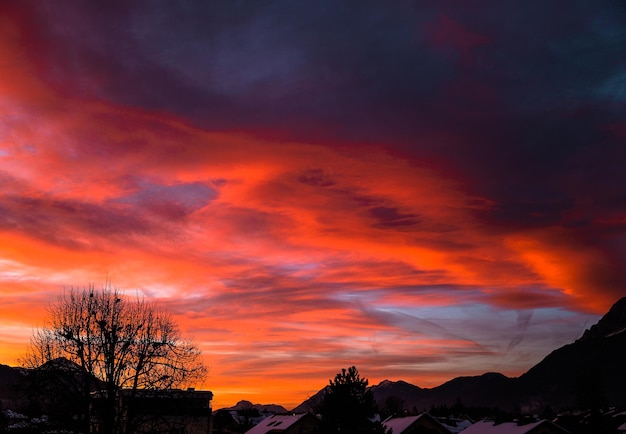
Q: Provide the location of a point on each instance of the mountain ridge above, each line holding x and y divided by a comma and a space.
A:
586, 372
245, 405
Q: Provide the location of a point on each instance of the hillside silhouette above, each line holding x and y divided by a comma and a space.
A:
588, 372
585, 373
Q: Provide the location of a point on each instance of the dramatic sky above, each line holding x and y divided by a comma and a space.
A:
424, 189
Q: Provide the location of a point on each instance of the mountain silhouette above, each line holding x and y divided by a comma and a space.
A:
311, 404
10, 382
244, 405
586, 373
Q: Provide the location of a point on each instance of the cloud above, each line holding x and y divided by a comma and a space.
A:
310, 186
67, 222
523, 320
170, 201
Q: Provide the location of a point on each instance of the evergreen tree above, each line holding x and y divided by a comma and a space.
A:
348, 405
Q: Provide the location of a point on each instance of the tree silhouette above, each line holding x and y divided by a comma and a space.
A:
394, 406
4, 420
348, 405
121, 345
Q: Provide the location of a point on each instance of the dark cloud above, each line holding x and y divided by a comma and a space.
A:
316, 178
69, 223
344, 160
526, 297
535, 94
78, 224
390, 217
523, 321
518, 103
170, 201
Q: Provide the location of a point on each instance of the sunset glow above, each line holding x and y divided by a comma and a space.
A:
421, 190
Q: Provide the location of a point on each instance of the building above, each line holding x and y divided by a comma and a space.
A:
420, 424
489, 427
304, 423
228, 421
170, 410
454, 424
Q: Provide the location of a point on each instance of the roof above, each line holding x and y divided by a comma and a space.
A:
275, 423
13, 415
455, 426
489, 427
399, 424
239, 418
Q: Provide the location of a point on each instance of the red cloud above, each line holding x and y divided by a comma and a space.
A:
447, 33
287, 260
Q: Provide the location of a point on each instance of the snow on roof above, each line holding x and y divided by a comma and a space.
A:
489, 427
399, 424
277, 422
14, 415
457, 427
244, 419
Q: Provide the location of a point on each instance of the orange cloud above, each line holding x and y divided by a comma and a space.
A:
285, 260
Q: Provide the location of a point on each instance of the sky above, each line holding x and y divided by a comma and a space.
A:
422, 189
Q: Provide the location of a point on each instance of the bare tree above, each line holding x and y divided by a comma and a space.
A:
123, 346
